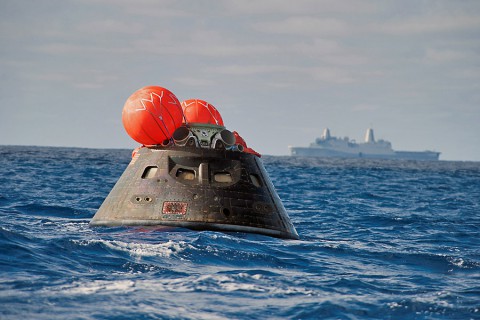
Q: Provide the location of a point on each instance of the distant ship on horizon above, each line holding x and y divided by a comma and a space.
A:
333, 147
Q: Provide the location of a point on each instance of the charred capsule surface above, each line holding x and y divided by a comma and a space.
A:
196, 188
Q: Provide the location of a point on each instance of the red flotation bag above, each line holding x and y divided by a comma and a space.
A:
200, 111
151, 115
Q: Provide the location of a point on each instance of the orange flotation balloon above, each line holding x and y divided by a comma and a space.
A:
200, 111
151, 115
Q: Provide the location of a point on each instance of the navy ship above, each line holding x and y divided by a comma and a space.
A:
333, 147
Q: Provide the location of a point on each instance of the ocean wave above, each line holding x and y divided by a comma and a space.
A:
139, 250
95, 287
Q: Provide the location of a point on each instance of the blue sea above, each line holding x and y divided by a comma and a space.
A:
379, 240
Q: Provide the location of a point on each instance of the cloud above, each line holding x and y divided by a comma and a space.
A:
327, 51
146, 8
305, 26
232, 50
364, 107
200, 42
84, 79
110, 26
274, 7
470, 73
284, 76
242, 70
447, 55
433, 23
194, 81
332, 75
61, 48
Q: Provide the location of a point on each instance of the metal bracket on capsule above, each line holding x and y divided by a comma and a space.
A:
236, 147
223, 140
183, 136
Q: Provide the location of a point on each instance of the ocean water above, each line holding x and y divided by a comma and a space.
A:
379, 240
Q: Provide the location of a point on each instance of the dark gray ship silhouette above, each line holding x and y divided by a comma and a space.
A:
333, 147
201, 179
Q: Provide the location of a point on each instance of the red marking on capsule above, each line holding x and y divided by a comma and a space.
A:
174, 207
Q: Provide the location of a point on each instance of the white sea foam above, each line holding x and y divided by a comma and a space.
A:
221, 283
165, 250
459, 262
394, 305
97, 286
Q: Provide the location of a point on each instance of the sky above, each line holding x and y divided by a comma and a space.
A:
279, 72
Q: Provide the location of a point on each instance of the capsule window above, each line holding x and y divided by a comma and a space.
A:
185, 174
149, 172
255, 180
222, 177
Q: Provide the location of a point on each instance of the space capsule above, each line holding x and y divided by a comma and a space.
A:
191, 172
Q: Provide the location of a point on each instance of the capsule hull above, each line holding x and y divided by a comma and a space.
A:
199, 189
